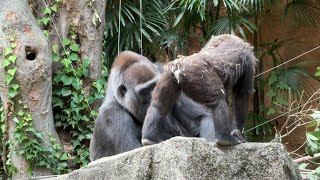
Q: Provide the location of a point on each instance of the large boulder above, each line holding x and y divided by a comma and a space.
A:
193, 158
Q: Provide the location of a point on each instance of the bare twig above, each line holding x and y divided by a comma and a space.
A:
308, 158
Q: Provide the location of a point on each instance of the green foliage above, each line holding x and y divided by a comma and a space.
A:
303, 12
200, 19
313, 145
284, 82
47, 13
153, 23
31, 147
313, 137
72, 105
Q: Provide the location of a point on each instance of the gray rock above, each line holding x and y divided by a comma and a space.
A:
193, 158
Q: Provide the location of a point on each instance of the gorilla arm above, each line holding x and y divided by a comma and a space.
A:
115, 132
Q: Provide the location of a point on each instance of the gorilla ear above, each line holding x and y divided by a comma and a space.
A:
121, 90
146, 87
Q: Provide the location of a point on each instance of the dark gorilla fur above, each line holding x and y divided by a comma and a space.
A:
226, 63
118, 126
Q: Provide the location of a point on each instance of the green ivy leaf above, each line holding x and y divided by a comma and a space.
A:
55, 49
57, 102
54, 8
74, 47
86, 63
65, 91
31, 129
12, 38
76, 84
21, 151
5, 63
7, 51
66, 62
85, 72
42, 163
8, 78
66, 80
21, 113
13, 58
73, 57
47, 11
57, 154
73, 36
15, 86
317, 73
12, 71
12, 92
13, 45
15, 119
46, 33
45, 21
29, 156
64, 157
65, 41
55, 58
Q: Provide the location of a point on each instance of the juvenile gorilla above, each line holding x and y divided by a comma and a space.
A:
225, 63
118, 126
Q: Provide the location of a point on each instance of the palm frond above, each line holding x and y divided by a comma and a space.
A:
303, 11
151, 17
256, 5
232, 24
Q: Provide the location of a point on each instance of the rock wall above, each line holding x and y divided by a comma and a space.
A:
193, 158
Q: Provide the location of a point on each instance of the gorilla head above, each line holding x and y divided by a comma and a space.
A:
134, 77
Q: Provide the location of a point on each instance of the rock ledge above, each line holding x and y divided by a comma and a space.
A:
193, 158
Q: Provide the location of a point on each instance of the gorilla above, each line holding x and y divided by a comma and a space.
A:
226, 63
119, 123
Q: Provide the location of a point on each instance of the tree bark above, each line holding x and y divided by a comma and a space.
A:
33, 75
79, 14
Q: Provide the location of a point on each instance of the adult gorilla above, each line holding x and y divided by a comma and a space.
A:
225, 64
118, 126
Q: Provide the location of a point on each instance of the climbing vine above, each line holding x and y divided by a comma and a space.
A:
47, 12
73, 105
28, 142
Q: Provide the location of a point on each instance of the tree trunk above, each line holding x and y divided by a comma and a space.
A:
87, 18
81, 15
18, 26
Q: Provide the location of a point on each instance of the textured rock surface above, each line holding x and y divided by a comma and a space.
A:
191, 158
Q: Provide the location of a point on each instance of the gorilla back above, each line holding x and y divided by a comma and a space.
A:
226, 63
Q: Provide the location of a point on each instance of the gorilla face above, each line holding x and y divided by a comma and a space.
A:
134, 92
